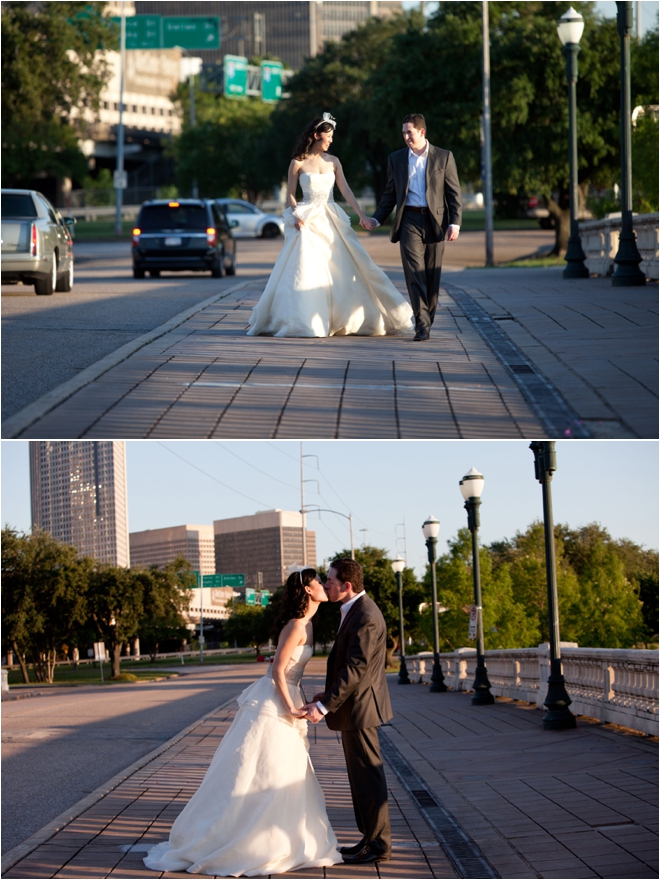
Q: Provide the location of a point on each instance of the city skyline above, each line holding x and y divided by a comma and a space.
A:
382, 483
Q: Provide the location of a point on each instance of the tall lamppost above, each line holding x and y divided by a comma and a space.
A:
472, 485
626, 272
398, 565
569, 29
431, 530
559, 716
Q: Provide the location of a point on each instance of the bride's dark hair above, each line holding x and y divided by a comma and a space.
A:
306, 140
295, 600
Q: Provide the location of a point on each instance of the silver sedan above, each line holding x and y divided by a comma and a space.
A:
252, 221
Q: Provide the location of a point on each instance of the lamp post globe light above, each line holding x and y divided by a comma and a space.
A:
398, 565
431, 530
569, 29
626, 272
559, 716
472, 485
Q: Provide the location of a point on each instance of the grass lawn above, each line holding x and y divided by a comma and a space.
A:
531, 263
102, 230
473, 221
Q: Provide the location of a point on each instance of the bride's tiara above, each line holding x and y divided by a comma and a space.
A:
327, 118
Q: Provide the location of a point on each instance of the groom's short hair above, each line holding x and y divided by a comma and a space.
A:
349, 571
415, 119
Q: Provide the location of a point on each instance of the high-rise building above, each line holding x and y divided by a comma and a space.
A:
160, 546
78, 494
263, 546
290, 31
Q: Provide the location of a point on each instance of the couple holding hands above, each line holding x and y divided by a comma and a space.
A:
260, 809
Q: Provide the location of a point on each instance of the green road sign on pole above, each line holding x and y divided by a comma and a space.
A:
236, 75
265, 597
191, 32
142, 31
271, 81
250, 597
233, 580
213, 580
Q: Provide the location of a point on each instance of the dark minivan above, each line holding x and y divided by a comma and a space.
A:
181, 235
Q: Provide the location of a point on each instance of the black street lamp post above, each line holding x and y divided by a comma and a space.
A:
431, 530
472, 486
557, 701
626, 272
398, 565
570, 28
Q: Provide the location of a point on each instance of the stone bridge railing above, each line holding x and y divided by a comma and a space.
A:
613, 685
600, 241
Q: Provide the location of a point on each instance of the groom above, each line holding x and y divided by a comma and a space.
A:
356, 701
422, 183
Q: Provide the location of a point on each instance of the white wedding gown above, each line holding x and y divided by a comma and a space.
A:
260, 809
324, 283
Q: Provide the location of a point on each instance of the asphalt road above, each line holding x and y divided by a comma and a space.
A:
58, 748
46, 340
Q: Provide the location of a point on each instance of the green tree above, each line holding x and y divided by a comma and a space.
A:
53, 70
645, 164
248, 626
227, 152
43, 598
116, 606
166, 596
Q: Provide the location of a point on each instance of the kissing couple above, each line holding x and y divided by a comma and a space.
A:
323, 282
260, 809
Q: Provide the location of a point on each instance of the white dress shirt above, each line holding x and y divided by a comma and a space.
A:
344, 611
416, 197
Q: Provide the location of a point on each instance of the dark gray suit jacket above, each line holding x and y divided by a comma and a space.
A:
356, 694
443, 191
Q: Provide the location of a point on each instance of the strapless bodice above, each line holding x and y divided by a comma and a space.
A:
296, 665
317, 188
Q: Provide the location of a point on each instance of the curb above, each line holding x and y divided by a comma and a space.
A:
19, 852
15, 425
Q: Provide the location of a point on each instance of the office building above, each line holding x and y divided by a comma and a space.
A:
290, 31
78, 495
263, 547
160, 546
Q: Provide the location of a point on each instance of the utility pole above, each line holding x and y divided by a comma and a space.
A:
119, 173
302, 505
487, 173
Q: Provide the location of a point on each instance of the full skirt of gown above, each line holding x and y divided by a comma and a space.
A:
260, 809
324, 283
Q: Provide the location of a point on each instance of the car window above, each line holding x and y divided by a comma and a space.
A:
239, 208
218, 217
49, 208
172, 216
18, 205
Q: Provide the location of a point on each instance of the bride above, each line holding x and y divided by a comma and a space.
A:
260, 809
324, 283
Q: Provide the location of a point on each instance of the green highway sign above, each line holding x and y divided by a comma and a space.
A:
191, 32
271, 81
142, 31
250, 597
236, 76
233, 580
265, 597
212, 580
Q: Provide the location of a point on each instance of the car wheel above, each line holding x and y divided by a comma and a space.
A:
216, 267
138, 273
47, 286
65, 283
231, 268
155, 273
270, 230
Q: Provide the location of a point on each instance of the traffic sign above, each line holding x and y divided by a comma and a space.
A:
142, 31
236, 75
212, 580
191, 32
472, 629
233, 580
271, 81
265, 597
250, 597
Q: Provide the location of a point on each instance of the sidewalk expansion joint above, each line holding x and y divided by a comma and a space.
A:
558, 417
464, 854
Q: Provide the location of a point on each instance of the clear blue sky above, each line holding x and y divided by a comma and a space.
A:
382, 483
605, 7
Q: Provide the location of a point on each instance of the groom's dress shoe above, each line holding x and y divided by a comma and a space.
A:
352, 850
422, 336
366, 855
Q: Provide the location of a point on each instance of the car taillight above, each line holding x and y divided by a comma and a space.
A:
33, 240
136, 236
211, 237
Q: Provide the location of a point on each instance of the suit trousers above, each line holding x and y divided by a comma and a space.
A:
421, 256
366, 776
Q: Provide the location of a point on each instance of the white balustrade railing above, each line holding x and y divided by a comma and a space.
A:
600, 241
619, 686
